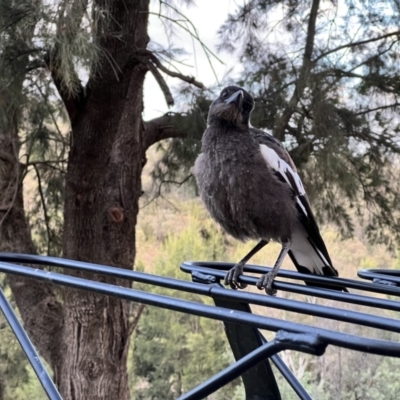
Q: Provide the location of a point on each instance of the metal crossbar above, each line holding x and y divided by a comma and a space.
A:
233, 308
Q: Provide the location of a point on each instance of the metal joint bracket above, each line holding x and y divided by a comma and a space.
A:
384, 282
199, 277
304, 342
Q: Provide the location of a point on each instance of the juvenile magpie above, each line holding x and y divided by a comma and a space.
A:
250, 186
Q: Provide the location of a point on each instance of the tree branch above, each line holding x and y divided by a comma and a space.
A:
377, 109
155, 66
355, 44
46, 216
305, 70
378, 82
136, 319
185, 78
160, 128
47, 164
72, 98
161, 82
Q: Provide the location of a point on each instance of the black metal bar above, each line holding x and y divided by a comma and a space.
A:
283, 341
198, 266
28, 349
217, 273
191, 267
289, 376
291, 379
263, 300
220, 268
353, 342
233, 371
259, 382
383, 274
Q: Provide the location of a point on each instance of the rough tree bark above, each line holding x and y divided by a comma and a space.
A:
101, 205
86, 338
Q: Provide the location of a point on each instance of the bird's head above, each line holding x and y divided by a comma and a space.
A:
233, 106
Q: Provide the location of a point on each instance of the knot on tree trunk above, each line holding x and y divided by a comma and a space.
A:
117, 214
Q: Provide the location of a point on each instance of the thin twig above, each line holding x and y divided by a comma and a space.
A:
191, 33
197, 37
355, 44
46, 217
189, 79
47, 164
377, 108
159, 194
135, 321
207, 51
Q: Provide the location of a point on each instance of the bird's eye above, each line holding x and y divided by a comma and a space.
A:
224, 94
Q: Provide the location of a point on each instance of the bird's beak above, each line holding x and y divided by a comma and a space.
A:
236, 98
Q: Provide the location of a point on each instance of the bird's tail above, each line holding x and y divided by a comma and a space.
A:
311, 257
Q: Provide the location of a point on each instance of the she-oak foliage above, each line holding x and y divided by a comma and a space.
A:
329, 92
325, 77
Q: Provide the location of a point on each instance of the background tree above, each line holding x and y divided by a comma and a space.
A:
326, 81
327, 93
44, 47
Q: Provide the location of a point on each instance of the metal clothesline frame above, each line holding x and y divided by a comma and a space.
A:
233, 308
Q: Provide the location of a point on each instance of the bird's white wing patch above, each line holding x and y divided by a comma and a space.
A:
285, 170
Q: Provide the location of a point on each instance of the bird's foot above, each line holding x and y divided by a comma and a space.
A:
231, 278
265, 282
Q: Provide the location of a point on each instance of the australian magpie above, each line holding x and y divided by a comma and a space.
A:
250, 186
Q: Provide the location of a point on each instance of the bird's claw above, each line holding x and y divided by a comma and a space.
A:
265, 282
231, 278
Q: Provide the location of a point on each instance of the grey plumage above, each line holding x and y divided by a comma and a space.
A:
250, 186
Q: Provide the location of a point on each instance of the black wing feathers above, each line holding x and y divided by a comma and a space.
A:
306, 216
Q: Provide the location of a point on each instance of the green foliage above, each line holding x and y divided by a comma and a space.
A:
330, 94
32, 116
173, 352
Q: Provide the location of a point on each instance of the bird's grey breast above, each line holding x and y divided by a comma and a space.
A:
240, 190
226, 180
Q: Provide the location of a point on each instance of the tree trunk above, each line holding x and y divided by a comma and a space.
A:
103, 185
86, 338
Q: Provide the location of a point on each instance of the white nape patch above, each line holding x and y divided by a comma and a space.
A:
281, 166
